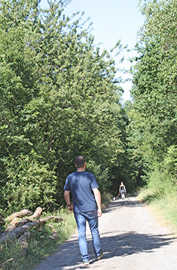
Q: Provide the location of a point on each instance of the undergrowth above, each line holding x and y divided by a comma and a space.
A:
41, 244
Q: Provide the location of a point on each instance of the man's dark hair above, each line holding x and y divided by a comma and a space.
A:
79, 162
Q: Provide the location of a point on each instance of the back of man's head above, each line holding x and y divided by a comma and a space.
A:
79, 162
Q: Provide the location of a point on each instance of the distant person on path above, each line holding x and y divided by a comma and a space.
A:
122, 190
86, 197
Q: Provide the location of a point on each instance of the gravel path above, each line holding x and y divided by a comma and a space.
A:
132, 238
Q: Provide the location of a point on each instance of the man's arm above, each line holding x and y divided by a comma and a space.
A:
97, 195
68, 200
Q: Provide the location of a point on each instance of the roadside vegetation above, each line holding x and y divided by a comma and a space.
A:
153, 127
43, 242
164, 208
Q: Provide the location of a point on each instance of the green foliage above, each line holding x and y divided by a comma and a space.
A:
170, 162
153, 126
59, 98
30, 184
102, 175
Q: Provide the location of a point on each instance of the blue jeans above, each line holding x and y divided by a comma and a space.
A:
92, 219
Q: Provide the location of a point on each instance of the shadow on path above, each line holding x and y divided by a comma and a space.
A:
118, 245
132, 242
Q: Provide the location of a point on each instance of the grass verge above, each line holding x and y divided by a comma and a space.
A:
165, 208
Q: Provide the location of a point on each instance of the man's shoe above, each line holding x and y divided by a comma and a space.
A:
99, 257
86, 263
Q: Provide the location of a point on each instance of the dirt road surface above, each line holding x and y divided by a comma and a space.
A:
132, 239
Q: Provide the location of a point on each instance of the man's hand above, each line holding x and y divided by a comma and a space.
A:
99, 212
67, 200
70, 207
98, 201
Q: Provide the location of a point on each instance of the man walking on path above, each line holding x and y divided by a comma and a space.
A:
86, 198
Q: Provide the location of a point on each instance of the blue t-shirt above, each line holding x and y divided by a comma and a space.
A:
81, 184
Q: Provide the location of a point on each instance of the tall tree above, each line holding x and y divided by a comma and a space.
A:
155, 83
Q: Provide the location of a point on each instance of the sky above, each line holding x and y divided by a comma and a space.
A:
112, 20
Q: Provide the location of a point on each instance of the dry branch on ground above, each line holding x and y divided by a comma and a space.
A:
19, 225
20, 214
